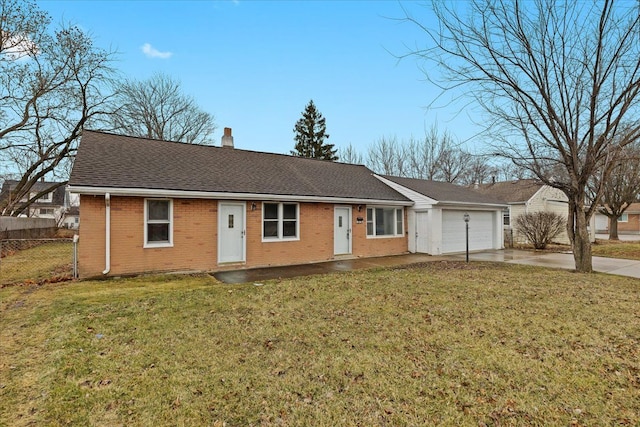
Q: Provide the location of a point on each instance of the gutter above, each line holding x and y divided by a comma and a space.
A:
214, 195
107, 233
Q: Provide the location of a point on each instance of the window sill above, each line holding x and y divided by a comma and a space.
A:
394, 236
286, 239
157, 245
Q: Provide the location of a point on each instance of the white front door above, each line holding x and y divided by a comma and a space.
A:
422, 232
342, 230
231, 232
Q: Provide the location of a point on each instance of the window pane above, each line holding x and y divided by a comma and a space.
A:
158, 210
389, 221
289, 211
270, 229
370, 222
289, 229
399, 221
157, 232
270, 210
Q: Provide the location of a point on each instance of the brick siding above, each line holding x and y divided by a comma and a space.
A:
195, 244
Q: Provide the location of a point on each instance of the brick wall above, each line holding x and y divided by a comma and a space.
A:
195, 242
632, 226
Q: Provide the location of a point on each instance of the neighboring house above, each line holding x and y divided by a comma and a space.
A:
525, 196
149, 205
436, 221
628, 223
72, 218
50, 205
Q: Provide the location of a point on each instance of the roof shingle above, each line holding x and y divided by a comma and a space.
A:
511, 191
114, 161
444, 191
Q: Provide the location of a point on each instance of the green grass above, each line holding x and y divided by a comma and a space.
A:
50, 261
445, 344
617, 249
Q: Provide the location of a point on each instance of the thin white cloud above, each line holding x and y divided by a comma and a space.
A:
18, 47
152, 52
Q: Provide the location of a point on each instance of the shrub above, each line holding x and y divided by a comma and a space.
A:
540, 228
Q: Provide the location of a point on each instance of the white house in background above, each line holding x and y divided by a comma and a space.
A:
527, 196
71, 218
435, 222
50, 205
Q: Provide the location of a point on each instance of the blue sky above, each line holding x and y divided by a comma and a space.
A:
256, 64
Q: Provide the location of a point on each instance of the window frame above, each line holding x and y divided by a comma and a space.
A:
45, 198
280, 220
624, 217
397, 211
169, 221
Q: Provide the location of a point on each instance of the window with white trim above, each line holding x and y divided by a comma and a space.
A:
624, 218
280, 221
385, 222
46, 197
158, 223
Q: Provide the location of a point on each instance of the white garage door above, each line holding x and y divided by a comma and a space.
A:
481, 231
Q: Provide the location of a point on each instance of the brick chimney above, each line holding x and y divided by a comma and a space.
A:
227, 139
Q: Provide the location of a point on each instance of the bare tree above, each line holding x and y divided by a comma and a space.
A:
157, 108
556, 80
621, 188
477, 171
51, 86
350, 155
387, 156
453, 164
424, 155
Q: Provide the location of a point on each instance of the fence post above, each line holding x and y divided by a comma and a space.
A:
75, 255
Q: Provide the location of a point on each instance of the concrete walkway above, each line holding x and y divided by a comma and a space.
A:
565, 261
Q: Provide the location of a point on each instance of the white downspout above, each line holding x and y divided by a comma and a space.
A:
107, 233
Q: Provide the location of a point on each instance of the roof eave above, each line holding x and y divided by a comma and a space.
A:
183, 194
472, 204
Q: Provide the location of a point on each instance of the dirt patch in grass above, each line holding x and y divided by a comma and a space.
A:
444, 343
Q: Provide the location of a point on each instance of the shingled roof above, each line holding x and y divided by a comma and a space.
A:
108, 161
444, 191
511, 191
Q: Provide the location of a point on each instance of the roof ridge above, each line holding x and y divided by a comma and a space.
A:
221, 148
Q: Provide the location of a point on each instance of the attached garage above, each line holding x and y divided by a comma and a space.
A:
435, 222
482, 230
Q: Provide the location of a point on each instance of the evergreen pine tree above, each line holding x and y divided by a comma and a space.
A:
310, 135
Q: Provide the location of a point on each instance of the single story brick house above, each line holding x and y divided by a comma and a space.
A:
628, 223
149, 205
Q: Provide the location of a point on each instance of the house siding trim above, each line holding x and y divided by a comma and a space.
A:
159, 193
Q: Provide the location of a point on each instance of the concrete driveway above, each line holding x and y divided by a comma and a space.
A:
621, 267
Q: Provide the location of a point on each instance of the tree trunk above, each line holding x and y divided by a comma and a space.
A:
581, 243
613, 228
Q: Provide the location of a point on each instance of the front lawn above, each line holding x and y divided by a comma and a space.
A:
617, 249
444, 344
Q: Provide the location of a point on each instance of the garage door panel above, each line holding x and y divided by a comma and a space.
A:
481, 230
